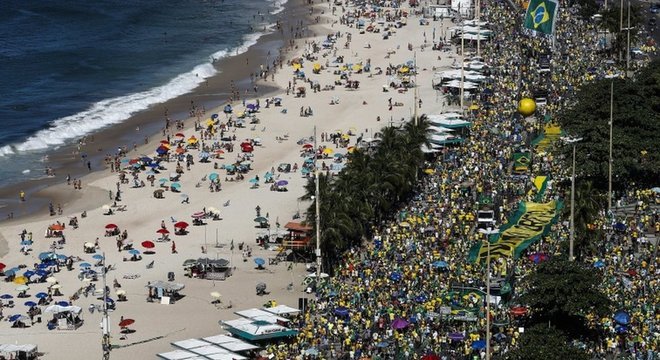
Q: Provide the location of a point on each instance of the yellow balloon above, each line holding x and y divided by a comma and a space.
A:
526, 106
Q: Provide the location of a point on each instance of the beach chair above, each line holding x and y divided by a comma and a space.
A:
150, 265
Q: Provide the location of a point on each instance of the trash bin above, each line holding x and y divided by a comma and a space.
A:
170, 276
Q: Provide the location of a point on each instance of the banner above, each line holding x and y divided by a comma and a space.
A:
531, 222
540, 16
521, 162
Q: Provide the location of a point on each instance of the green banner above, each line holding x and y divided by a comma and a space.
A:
540, 16
521, 161
531, 222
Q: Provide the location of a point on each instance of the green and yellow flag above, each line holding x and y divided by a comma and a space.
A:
540, 16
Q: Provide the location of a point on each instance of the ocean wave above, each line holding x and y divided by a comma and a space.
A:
279, 6
115, 110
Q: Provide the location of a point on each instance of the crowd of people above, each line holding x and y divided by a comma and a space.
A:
412, 289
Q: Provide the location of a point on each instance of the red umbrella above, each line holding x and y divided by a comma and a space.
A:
2, 266
148, 244
162, 231
430, 357
179, 135
56, 227
126, 322
111, 226
133, 161
199, 214
519, 310
181, 225
308, 146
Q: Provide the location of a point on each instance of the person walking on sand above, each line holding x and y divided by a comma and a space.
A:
174, 248
21, 195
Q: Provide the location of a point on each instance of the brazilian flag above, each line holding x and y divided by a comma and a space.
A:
540, 15
521, 161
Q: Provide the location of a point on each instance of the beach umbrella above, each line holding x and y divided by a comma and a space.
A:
63, 303
259, 261
56, 227
41, 272
175, 185
162, 231
260, 219
47, 255
28, 274
213, 176
181, 225
134, 252
622, 317
163, 180
328, 151
41, 295
30, 303
85, 265
2, 266
268, 175
111, 226
62, 257
162, 150
399, 323
22, 288
307, 146
6, 296
148, 244
253, 181
97, 257
198, 215
20, 280
126, 322
26, 243
120, 292
456, 336
56, 286
215, 294
479, 344
17, 317
282, 183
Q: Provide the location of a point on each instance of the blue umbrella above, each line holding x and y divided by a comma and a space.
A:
341, 311
28, 273
259, 261
622, 317
153, 165
163, 180
97, 257
6, 296
43, 266
47, 255
146, 159
41, 295
395, 276
30, 303
213, 176
479, 344
175, 185
41, 272
15, 317
134, 252
214, 116
63, 303
10, 272
62, 257
26, 242
85, 265
268, 175
282, 183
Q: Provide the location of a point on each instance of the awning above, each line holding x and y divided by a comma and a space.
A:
296, 226
257, 330
282, 310
166, 285
230, 343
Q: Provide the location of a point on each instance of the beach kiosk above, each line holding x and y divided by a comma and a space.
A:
20, 352
165, 292
64, 317
211, 269
258, 330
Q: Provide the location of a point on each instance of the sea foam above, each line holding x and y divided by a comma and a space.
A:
115, 110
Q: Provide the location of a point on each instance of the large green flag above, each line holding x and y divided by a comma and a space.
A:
540, 15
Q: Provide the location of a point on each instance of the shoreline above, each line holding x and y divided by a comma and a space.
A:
212, 94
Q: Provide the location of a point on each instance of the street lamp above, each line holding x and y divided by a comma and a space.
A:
488, 232
572, 141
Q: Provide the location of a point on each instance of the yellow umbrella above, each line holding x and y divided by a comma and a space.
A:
404, 69
357, 67
192, 140
317, 66
343, 68
429, 171
474, 107
345, 137
327, 151
21, 280
210, 122
297, 66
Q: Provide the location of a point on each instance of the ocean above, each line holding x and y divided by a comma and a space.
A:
69, 68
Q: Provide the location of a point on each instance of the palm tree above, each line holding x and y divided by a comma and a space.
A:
588, 202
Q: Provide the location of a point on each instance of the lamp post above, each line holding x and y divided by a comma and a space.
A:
488, 232
572, 141
105, 322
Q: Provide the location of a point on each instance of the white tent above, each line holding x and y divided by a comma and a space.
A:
258, 314
464, 7
282, 310
250, 329
179, 355
57, 309
230, 343
190, 343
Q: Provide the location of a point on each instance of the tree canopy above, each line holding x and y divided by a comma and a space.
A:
374, 181
636, 129
563, 293
543, 342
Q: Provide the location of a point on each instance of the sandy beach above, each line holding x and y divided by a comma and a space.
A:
365, 110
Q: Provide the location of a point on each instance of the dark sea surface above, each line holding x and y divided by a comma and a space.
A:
69, 68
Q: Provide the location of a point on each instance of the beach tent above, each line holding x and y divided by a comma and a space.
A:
258, 314
179, 355
230, 343
257, 330
282, 310
452, 123
26, 351
65, 317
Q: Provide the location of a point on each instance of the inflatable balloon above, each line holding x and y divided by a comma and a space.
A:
526, 107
